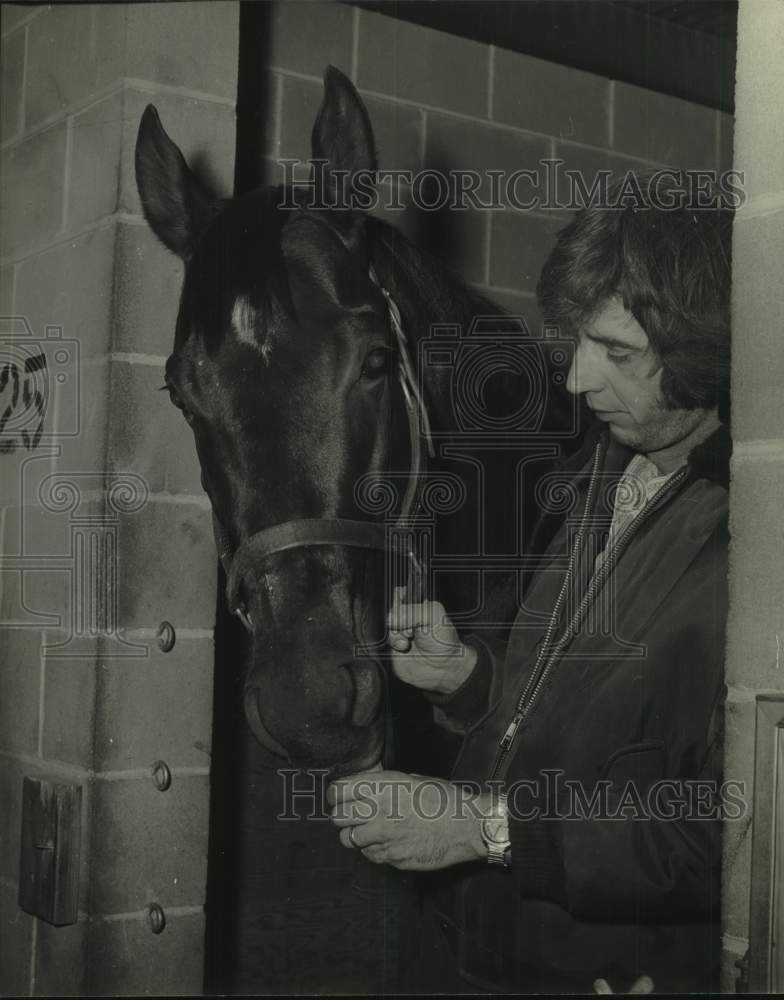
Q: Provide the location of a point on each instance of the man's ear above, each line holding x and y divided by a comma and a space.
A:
174, 202
342, 137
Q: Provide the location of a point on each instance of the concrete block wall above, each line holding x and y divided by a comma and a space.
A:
439, 101
76, 255
755, 658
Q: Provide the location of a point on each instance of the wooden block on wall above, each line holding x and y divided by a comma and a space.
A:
49, 855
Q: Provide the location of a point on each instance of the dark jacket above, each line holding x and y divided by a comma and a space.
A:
633, 698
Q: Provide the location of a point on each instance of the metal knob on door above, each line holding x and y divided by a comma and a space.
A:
161, 775
166, 636
156, 918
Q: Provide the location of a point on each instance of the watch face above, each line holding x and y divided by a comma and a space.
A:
494, 830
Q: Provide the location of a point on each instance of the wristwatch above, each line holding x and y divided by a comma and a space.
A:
494, 830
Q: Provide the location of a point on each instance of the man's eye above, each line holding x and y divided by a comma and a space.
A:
619, 355
377, 363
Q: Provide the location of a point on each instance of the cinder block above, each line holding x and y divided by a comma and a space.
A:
60, 65
37, 531
545, 97
73, 52
7, 281
11, 775
307, 36
20, 686
412, 222
583, 161
665, 129
421, 65
193, 45
96, 135
397, 130
454, 144
38, 595
70, 287
31, 186
301, 100
12, 14
61, 959
109, 51
396, 127
167, 566
151, 844
726, 140
157, 708
757, 322
126, 958
25, 466
519, 245
148, 279
516, 304
759, 141
204, 131
36, 598
69, 706
16, 934
85, 450
755, 658
148, 435
583, 170
12, 70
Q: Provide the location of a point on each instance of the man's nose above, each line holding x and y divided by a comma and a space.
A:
584, 374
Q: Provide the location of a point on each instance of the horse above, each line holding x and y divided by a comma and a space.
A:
317, 361
298, 335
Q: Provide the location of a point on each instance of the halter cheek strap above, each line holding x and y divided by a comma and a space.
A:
307, 532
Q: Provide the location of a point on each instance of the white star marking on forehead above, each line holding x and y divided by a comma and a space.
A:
243, 325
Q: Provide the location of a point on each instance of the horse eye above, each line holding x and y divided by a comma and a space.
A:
176, 401
174, 398
377, 363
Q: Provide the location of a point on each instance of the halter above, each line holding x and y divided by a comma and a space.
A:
306, 532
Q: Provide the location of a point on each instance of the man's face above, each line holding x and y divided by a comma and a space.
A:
616, 367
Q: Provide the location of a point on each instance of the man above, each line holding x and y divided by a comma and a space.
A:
601, 718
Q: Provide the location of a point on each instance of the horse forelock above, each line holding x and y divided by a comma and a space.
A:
236, 282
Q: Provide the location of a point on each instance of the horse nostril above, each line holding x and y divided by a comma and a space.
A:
368, 691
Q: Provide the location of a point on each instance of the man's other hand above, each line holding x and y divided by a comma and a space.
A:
406, 820
426, 649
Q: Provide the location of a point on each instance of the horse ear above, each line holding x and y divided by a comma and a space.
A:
174, 202
342, 137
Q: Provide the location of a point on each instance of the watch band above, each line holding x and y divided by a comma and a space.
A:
499, 850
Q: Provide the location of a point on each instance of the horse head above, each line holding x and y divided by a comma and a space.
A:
295, 373
284, 365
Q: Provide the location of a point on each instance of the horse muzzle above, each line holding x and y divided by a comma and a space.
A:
348, 725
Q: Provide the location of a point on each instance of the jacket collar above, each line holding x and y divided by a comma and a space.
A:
711, 459
708, 460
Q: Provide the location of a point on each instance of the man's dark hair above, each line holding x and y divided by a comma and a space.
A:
671, 269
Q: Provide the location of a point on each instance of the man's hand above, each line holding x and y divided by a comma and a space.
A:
427, 651
408, 821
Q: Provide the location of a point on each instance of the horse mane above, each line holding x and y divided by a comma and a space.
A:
440, 293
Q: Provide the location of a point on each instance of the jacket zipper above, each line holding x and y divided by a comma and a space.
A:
542, 668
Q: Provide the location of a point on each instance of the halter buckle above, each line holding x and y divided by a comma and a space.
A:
244, 616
